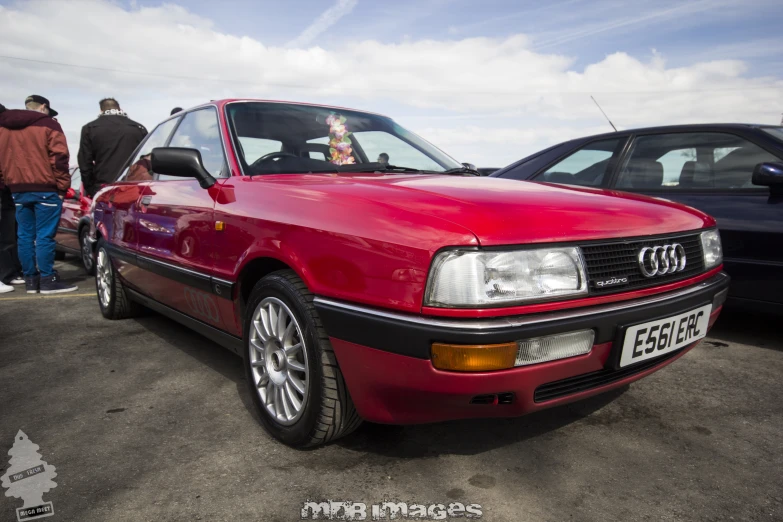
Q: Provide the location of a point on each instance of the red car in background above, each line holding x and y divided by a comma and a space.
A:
361, 273
73, 232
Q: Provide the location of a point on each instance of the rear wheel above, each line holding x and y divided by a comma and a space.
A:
112, 298
86, 250
291, 370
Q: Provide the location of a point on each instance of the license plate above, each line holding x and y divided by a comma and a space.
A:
655, 338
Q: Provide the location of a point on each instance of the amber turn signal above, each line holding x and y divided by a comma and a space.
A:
475, 357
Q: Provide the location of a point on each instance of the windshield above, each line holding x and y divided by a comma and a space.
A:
279, 138
776, 132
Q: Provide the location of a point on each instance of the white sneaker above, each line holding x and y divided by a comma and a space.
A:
17, 281
4, 288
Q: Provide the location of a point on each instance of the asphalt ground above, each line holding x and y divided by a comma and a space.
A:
145, 420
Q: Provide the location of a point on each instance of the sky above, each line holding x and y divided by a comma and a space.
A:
488, 82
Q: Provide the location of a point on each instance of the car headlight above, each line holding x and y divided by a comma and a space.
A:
713, 250
470, 278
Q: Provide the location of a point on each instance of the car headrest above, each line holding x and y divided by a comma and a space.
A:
559, 177
686, 174
645, 173
695, 174
314, 147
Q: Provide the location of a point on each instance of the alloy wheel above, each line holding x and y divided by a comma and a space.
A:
104, 275
86, 252
278, 361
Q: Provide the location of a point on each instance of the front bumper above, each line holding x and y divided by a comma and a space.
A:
385, 357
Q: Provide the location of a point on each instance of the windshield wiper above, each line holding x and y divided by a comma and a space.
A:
396, 168
462, 170
376, 167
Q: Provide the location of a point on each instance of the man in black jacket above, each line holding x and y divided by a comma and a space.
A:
10, 268
106, 144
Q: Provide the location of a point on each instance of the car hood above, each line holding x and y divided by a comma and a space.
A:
506, 212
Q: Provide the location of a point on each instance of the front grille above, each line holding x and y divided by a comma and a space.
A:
619, 259
588, 381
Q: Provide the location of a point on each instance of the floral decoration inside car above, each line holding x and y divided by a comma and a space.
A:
339, 142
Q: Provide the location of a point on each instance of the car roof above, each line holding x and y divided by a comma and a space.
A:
223, 102
677, 128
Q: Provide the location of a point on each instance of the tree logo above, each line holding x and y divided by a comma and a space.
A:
29, 478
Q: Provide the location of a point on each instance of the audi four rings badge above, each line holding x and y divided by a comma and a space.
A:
662, 260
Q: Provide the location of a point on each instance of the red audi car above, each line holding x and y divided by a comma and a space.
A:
73, 232
362, 273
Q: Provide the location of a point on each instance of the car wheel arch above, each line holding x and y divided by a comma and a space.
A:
253, 271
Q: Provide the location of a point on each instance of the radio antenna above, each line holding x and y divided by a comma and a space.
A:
602, 112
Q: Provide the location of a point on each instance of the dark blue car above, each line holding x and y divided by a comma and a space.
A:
733, 172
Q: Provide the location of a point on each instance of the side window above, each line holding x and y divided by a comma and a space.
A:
199, 130
140, 168
586, 167
691, 161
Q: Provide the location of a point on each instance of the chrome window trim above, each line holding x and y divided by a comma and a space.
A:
515, 321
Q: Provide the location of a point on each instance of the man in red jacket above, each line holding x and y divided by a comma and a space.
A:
34, 166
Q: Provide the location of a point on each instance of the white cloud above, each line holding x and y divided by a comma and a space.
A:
327, 19
513, 98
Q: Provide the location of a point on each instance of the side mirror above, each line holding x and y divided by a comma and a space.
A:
470, 166
181, 162
769, 175
70, 194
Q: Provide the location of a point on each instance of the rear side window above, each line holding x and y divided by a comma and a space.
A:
691, 161
587, 167
199, 130
140, 168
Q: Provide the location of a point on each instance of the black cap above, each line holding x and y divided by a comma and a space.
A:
175, 110
43, 101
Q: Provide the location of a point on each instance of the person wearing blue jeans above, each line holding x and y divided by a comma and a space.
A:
38, 214
34, 167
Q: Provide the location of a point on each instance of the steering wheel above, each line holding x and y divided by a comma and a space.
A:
272, 156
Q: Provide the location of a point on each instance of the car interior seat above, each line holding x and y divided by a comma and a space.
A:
736, 168
306, 148
559, 177
643, 173
696, 174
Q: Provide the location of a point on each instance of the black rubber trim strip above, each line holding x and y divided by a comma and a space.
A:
203, 282
588, 381
67, 230
228, 341
414, 339
193, 279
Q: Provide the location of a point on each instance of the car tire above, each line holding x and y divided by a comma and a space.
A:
88, 260
279, 375
59, 255
112, 297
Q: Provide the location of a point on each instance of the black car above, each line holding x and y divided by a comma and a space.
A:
733, 172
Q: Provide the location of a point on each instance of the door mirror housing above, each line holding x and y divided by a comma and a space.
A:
769, 175
71, 194
470, 166
181, 162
